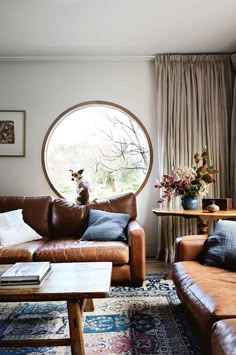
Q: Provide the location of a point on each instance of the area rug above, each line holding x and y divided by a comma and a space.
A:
132, 321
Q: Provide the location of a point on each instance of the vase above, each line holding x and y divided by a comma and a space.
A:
213, 207
189, 202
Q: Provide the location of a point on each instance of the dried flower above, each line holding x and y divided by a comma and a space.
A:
187, 181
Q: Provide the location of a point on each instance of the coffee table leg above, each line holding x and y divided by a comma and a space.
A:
76, 328
89, 305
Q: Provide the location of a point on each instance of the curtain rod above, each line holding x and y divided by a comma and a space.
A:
75, 58
93, 58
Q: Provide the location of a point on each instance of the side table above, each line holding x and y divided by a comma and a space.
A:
203, 216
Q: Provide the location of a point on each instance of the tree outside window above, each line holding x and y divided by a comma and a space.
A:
107, 141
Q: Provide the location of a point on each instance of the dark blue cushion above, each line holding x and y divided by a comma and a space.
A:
220, 247
104, 225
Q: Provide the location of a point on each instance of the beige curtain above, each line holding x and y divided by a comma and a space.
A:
194, 94
233, 138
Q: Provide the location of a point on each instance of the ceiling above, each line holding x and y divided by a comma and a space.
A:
115, 28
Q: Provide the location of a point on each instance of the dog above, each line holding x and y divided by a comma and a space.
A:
82, 187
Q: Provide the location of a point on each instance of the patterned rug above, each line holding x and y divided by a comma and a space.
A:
132, 321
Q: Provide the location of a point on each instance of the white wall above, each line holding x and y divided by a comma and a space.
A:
46, 89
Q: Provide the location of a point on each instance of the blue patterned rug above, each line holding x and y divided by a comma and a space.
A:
132, 321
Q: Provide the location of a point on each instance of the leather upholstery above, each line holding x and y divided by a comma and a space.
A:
137, 250
208, 293
62, 223
68, 219
121, 275
73, 250
223, 339
125, 203
36, 210
20, 252
189, 247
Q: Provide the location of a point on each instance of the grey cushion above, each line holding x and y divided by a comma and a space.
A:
220, 247
104, 225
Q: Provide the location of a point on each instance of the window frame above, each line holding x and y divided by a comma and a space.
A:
85, 104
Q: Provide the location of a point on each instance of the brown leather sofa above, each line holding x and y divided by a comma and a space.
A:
62, 223
209, 296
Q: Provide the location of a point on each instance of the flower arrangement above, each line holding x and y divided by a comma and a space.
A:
186, 181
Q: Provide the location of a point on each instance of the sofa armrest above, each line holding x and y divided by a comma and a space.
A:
189, 247
136, 241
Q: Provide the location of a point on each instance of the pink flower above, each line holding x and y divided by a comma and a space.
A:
187, 181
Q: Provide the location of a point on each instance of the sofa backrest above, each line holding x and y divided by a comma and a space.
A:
36, 210
125, 203
69, 219
59, 217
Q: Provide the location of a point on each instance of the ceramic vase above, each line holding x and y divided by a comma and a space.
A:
213, 207
189, 202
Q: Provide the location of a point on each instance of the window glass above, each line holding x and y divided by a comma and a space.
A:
104, 139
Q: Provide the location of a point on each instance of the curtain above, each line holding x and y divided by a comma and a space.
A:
194, 101
233, 138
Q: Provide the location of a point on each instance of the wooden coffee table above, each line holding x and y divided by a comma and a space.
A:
74, 283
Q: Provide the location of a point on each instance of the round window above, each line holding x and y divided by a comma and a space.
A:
105, 141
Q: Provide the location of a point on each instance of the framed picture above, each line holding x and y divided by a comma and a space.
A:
12, 133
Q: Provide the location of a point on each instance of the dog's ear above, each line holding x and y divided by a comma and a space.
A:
81, 171
71, 170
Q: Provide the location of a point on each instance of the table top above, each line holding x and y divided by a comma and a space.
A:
65, 281
194, 213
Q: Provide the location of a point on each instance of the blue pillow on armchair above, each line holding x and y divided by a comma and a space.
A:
220, 247
106, 226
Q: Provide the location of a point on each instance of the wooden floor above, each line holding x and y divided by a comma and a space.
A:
153, 265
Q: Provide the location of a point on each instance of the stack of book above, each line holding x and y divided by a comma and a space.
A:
25, 274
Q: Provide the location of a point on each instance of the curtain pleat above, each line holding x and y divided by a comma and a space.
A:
233, 148
193, 110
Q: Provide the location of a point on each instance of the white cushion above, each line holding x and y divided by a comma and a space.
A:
13, 229
10, 219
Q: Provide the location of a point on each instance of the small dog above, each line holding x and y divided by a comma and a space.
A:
82, 187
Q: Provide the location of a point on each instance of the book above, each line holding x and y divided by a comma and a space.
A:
26, 272
24, 284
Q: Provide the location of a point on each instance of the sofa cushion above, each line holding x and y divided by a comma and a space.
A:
104, 225
125, 203
68, 219
208, 286
223, 338
11, 218
13, 229
220, 247
20, 252
208, 293
71, 250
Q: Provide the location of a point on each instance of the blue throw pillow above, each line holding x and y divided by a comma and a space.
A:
104, 225
220, 247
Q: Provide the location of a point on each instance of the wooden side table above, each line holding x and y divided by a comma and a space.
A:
203, 216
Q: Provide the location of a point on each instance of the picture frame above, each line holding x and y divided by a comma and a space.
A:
12, 133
